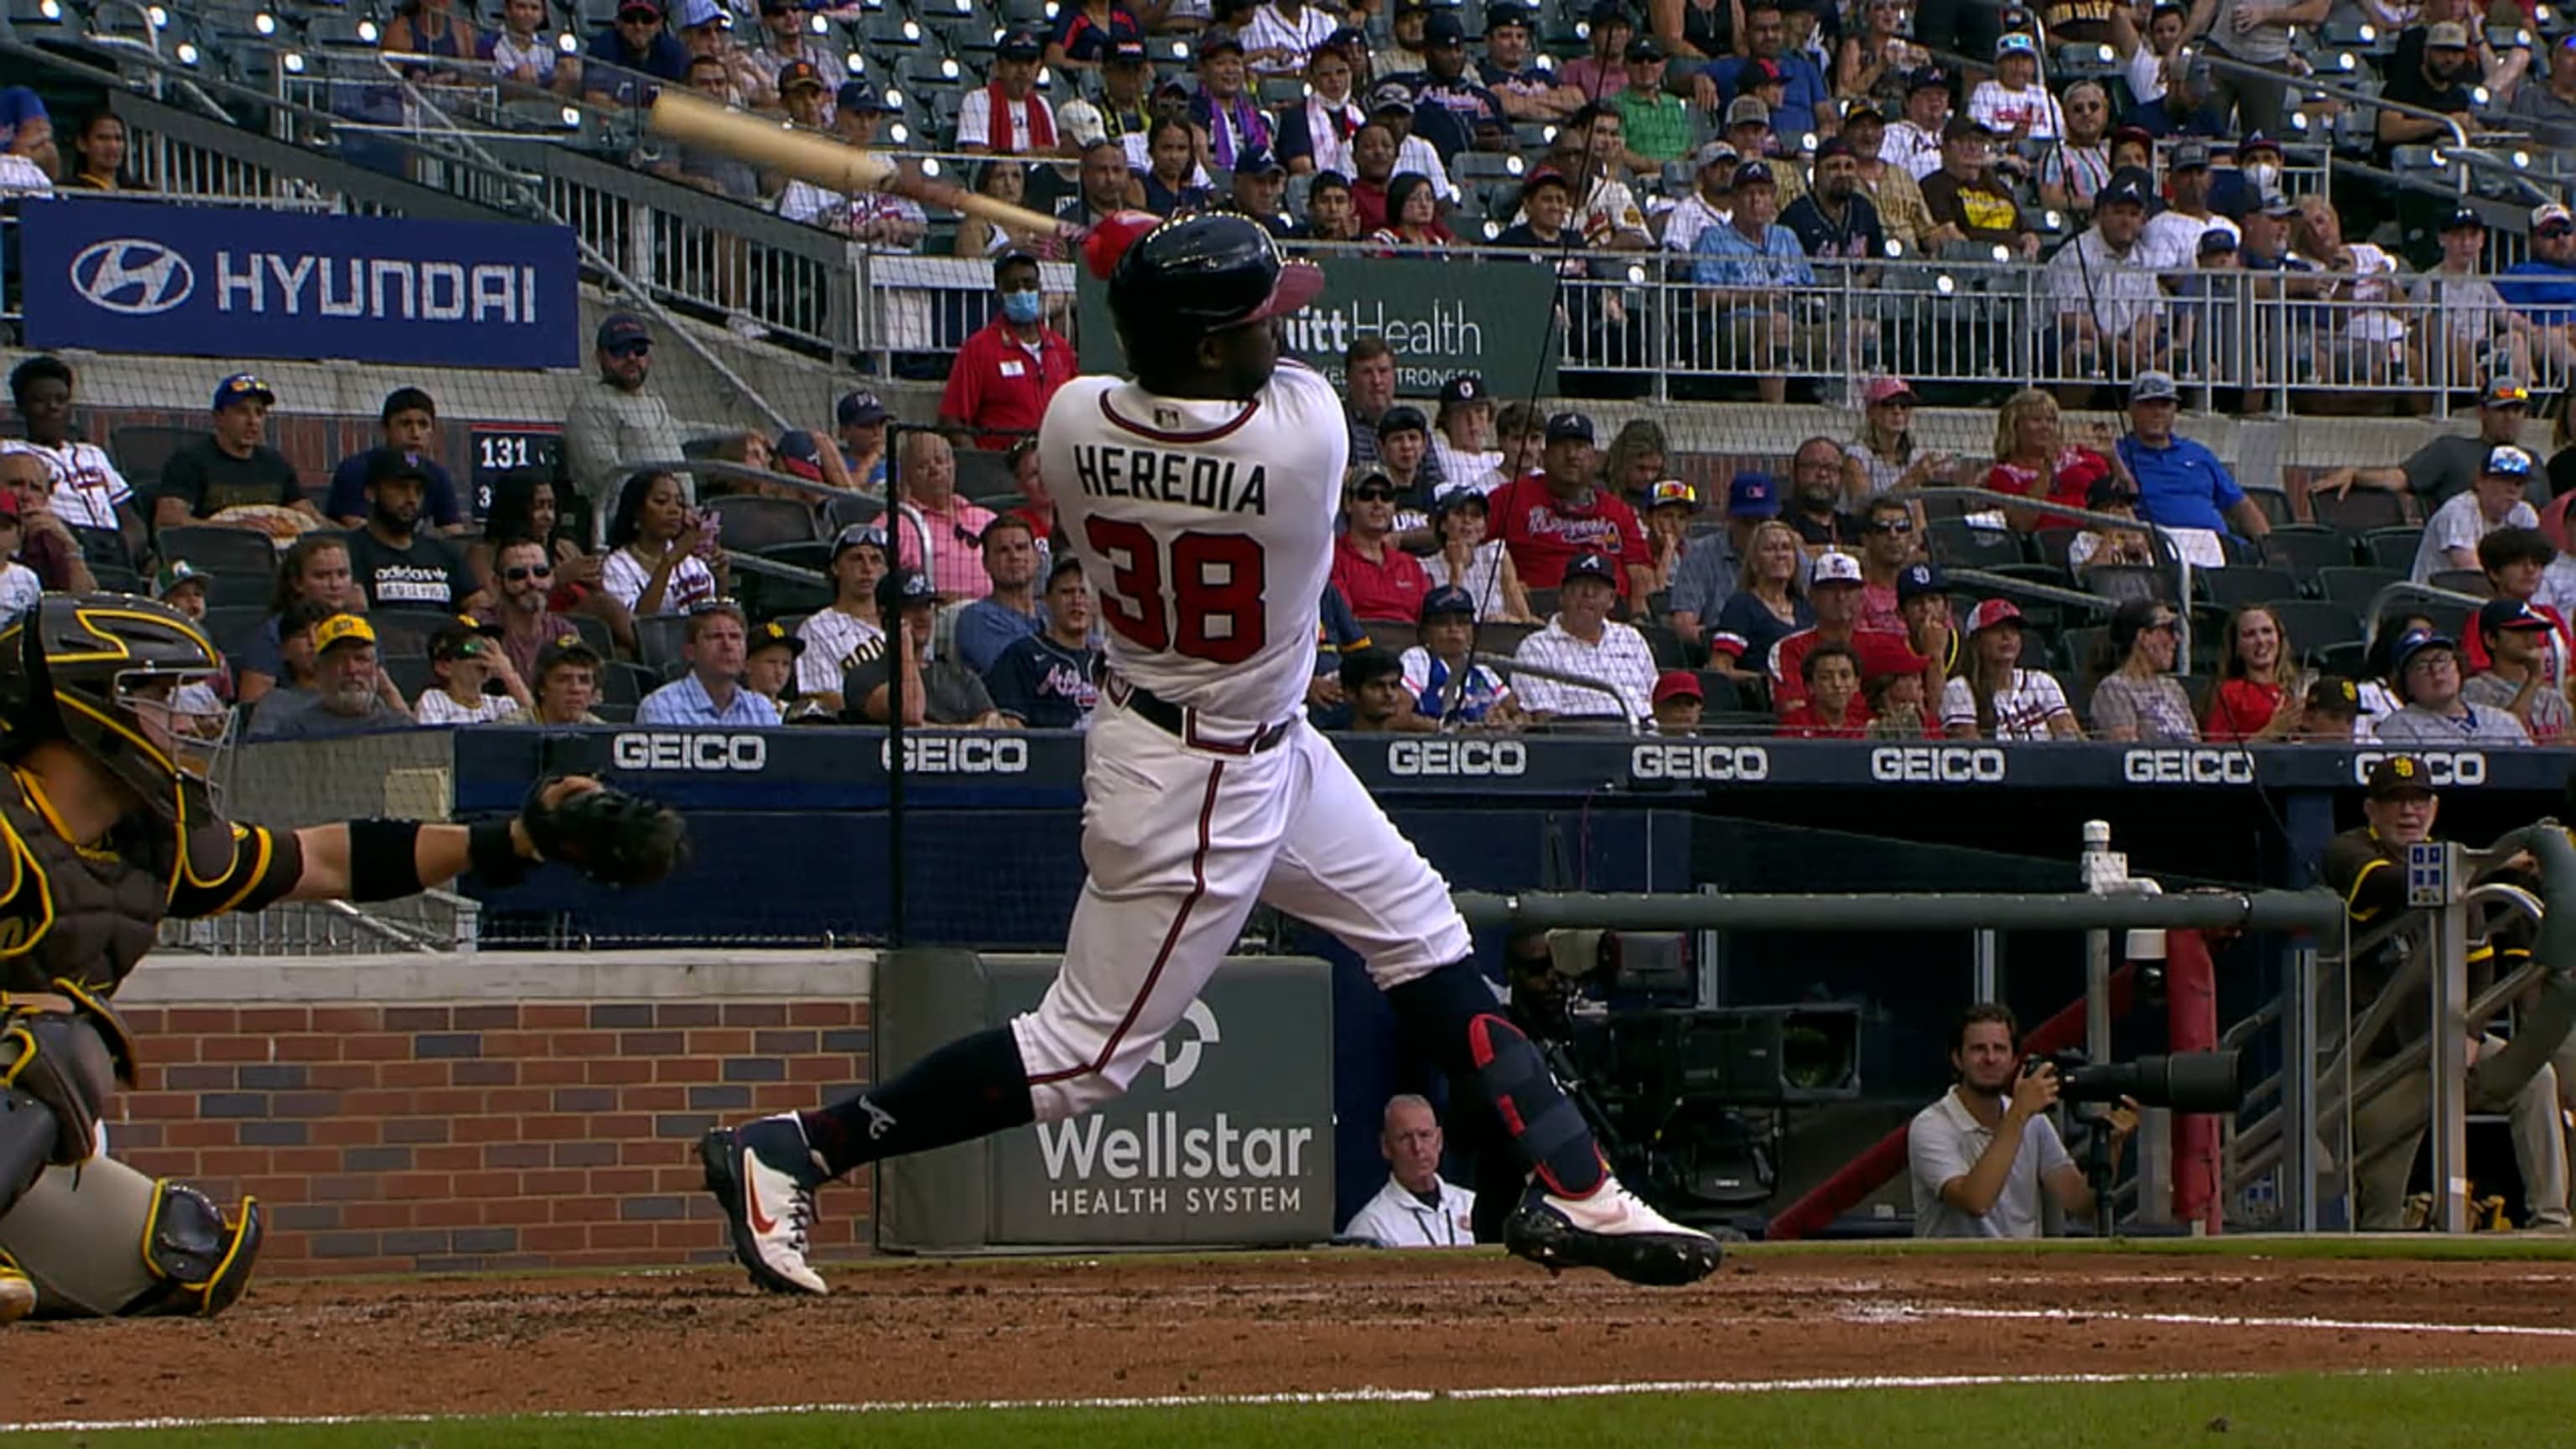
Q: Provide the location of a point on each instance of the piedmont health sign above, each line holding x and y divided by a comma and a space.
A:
1440, 318
122, 276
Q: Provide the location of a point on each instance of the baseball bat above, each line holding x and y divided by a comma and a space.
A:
773, 146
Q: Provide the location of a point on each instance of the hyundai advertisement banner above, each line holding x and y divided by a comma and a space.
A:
121, 276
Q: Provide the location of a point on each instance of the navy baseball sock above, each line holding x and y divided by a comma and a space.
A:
970, 1088
1451, 1018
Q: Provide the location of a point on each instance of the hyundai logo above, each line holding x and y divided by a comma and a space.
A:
133, 276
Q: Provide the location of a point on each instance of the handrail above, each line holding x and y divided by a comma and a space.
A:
2232, 66
1511, 665
2407, 589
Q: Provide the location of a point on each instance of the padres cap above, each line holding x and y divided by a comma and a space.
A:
2399, 775
563, 647
774, 635
1918, 580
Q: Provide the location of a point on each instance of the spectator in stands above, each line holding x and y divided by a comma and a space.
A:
665, 558
1261, 183
1806, 103
1452, 109
1980, 1156
20, 589
83, 486
1923, 608
1380, 579
1528, 92
1710, 201
1170, 185
1993, 697
1413, 227
1008, 612
2520, 642
2181, 484
860, 420
1892, 189
1636, 461
1008, 115
522, 55
1884, 457
2110, 310
1446, 684
1747, 272
1037, 505
1598, 73
313, 572
2259, 696
936, 515
1671, 505
1680, 704
2014, 105
1376, 700
1816, 496
2482, 336
1888, 547
565, 685
522, 580
935, 691
1656, 127
770, 669
1374, 152
1316, 135
2447, 465
2432, 711
1001, 380
1336, 633
181, 585
1748, 133
1608, 216
843, 635
1834, 591
1964, 198
398, 566
463, 660
2438, 81
1830, 706
1086, 31
2185, 108
2150, 61
2138, 700
2033, 461
99, 154
2516, 561
2074, 171
716, 172
1462, 436
1550, 518
1470, 561
2548, 111
1046, 680
348, 689
1416, 1209
1284, 34
1224, 113
430, 28
43, 544
2496, 501
408, 426
881, 220
1005, 180
1896, 707
710, 695
1915, 142
1582, 641
295, 683
1836, 222
1102, 185
1368, 390
1875, 56
230, 467
2256, 33
786, 37
616, 425
27, 130
2366, 341
522, 506
1769, 605
2542, 286
2331, 715
2379, 691
2173, 236
633, 45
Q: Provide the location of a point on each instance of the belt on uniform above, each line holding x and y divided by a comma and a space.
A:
1182, 722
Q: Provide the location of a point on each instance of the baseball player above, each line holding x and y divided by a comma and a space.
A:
108, 829
1200, 498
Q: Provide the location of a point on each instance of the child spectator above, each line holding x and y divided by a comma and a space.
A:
566, 685
1993, 697
1834, 708
1446, 684
2332, 713
1895, 707
1679, 703
2102, 545
463, 658
2014, 105
2515, 680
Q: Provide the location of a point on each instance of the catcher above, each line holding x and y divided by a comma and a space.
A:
109, 827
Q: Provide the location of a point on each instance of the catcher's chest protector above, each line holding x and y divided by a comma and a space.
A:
88, 915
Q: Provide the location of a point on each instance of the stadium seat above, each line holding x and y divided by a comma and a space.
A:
594, 632
404, 633
851, 510
984, 475
2393, 548
2463, 581
803, 554
2123, 582
222, 551
2315, 624
2305, 548
2354, 587
1390, 635
752, 522
1959, 544
2274, 503
2359, 511
140, 452
2340, 661
409, 673
2230, 587
658, 639
1496, 637
627, 684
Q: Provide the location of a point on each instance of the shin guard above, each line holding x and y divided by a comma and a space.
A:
1451, 1017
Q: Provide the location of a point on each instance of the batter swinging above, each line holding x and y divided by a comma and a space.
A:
1201, 499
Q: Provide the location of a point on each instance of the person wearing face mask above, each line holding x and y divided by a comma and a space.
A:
1000, 383
2254, 181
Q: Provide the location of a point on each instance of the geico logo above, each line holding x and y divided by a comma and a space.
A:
2442, 767
1456, 757
1936, 765
1700, 762
2187, 767
960, 755
658, 751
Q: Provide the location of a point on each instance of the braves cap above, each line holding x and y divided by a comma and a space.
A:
1392, 96
242, 387
1927, 78
1833, 566
1918, 580
2122, 191
905, 588
858, 409
1678, 684
2464, 219
2511, 614
1752, 495
1447, 600
1752, 173
1443, 28
1498, 16
2399, 775
1591, 566
1643, 48
1127, 52
1021, 45
1569, 428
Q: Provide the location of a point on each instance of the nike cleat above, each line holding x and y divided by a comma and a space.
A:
764, 1175
17, 1295
1610, 1230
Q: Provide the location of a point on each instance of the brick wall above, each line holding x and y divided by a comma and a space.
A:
402, 1137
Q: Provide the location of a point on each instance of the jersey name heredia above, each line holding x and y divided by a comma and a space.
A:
1194, 480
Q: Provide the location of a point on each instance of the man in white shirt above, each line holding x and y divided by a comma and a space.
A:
1283, 33
1707, 206
1008, 117
2173, 237
88, 492
1583, 641
1915, 142
1979, 1156
2495, 501
2104, 287
1415, 1209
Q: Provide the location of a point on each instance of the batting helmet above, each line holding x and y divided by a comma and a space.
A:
1199, 273
76, 667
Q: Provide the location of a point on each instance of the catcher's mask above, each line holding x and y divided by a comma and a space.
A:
111, 673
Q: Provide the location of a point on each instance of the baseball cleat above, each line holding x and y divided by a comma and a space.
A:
1610, 1230
764, 1175
17, 1295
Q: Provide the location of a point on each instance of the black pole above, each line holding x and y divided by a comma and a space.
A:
894, 688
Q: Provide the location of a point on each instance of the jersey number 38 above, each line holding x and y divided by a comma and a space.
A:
1202, 602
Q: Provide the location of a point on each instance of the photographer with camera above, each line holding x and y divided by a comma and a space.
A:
1980, 1155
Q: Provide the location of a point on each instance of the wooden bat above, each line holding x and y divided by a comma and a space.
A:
771, 146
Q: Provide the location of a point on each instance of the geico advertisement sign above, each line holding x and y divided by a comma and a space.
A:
1936, 765
2443, 767
2187, 767
959, 754
1699, 762
1457, 758
686, 750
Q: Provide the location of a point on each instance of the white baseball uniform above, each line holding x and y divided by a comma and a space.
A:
1205, 528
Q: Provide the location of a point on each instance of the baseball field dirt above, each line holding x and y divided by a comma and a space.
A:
1108, 1327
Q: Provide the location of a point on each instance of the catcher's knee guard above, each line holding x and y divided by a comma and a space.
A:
106, 1241
28, 1137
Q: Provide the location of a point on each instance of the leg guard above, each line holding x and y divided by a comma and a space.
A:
105, 1241
28, 1137
1451, 1017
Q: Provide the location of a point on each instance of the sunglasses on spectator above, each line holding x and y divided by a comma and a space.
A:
1889, 525
2556, 228
1373, 493
2163, 626
524, 572
630, 349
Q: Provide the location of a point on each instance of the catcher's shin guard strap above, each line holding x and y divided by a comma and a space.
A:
382, 863
1450, 1016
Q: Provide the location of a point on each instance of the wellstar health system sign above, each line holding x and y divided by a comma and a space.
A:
1440, 318
134, 276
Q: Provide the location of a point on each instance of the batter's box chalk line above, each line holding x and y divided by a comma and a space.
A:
1908, 1312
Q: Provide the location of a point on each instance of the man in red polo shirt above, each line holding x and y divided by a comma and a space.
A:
1000, 383
1549, 517
1381, 580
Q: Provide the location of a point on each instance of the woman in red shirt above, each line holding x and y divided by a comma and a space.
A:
1413, 226
2032, 462
1834, 709
2260, 690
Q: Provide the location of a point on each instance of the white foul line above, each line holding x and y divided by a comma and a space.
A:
2216, 1320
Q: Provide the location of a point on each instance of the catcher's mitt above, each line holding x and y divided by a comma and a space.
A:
607, 834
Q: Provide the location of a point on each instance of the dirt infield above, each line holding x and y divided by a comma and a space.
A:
1113, 1327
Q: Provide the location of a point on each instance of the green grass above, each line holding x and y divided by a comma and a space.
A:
2401, 1410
